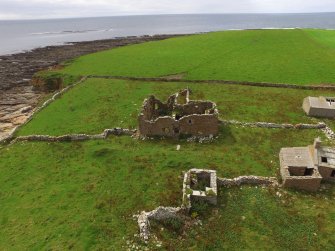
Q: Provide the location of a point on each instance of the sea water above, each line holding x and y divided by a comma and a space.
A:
22, 35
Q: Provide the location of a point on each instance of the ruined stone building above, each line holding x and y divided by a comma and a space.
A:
178, 116
305, 167
199, 185
319, 107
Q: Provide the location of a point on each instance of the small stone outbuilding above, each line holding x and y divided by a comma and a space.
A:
199, 185
326, 163
178, 116
305, 167
319, 107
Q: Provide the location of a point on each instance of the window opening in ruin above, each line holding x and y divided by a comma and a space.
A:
156, 106
166, 130
333, 174
176, 130
330, 100
309, 172
190, 121
324, 159
297, 171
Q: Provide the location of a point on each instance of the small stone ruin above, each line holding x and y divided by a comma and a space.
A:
199, 185
305, 167
319, 106
178, 116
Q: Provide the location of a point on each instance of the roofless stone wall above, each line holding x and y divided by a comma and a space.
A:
178, 116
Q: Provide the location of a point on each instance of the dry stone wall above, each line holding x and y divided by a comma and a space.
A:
162, 214
76, 137
320, 125
247, 180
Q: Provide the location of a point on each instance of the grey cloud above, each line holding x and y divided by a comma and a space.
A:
78, 8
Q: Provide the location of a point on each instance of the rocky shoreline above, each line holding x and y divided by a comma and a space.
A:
18, 99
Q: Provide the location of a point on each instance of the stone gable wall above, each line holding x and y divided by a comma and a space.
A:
195, 118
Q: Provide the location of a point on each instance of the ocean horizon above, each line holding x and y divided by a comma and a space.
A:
24, 35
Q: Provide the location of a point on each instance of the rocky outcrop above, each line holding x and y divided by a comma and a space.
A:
17, 70
28, 111
16, 107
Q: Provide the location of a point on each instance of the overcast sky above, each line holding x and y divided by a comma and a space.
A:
35, 9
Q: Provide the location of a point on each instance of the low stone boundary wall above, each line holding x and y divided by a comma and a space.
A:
247, 180
159, 214
274, 125
75, 137
162, 214
228, 82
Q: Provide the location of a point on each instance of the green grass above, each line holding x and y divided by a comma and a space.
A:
326, 37
98, 104
279, 56
83, 195
256, 219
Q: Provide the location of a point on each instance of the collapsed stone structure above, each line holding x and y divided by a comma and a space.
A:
319, 106
305, 167
178, 116
199, 185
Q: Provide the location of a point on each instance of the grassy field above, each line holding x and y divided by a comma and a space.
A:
279, 56
82, 196
325, 37
118, 103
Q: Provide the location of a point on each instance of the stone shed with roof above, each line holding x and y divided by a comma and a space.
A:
178, 116
305, 167
319, 106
